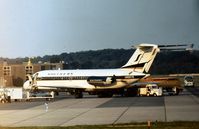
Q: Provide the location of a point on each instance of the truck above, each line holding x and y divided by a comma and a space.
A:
170, 85
150, 90
188, 81
15, 93
4, 97
9, 94
39, 95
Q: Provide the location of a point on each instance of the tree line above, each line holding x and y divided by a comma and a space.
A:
166, 62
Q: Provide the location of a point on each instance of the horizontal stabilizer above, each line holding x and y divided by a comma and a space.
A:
176, 47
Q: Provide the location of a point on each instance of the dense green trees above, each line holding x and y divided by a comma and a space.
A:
165, 62
176, 62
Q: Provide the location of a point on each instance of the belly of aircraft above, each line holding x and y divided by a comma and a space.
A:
83, 84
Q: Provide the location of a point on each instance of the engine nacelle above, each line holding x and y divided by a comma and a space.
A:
101, 81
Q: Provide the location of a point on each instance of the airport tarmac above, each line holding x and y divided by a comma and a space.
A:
91, 110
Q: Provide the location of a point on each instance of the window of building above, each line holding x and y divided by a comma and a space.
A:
7, 70
29, 70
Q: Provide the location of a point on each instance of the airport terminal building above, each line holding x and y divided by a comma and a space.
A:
14, 75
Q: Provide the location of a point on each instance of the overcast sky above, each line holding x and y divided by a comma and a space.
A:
47, 27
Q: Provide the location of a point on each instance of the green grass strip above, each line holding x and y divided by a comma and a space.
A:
154, 125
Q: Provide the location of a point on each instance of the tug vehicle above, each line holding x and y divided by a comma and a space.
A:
150, 90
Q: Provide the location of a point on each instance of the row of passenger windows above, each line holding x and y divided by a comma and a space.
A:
63, 78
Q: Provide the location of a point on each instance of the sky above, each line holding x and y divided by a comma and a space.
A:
31, 28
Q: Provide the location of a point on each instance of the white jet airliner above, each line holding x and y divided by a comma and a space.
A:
104, 82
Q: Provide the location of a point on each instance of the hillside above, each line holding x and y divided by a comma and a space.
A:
165, 62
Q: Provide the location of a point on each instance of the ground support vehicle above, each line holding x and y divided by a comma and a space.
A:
188, 81
4, 95
40, 95
9, 94
15, 93
4, 98
170, 85
150, 90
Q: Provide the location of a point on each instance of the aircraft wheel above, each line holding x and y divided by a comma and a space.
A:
109, 95
105, 95
140, 95
100, 96
2, 101
177, 91
78, 94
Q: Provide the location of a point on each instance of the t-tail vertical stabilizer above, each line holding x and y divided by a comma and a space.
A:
142, 58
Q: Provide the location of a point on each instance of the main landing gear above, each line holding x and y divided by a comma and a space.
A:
78, 93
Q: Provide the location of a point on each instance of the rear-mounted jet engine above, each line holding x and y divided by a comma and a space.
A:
101, 81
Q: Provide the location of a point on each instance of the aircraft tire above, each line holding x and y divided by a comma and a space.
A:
78, 94
177, 91
3, 101
105, 95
